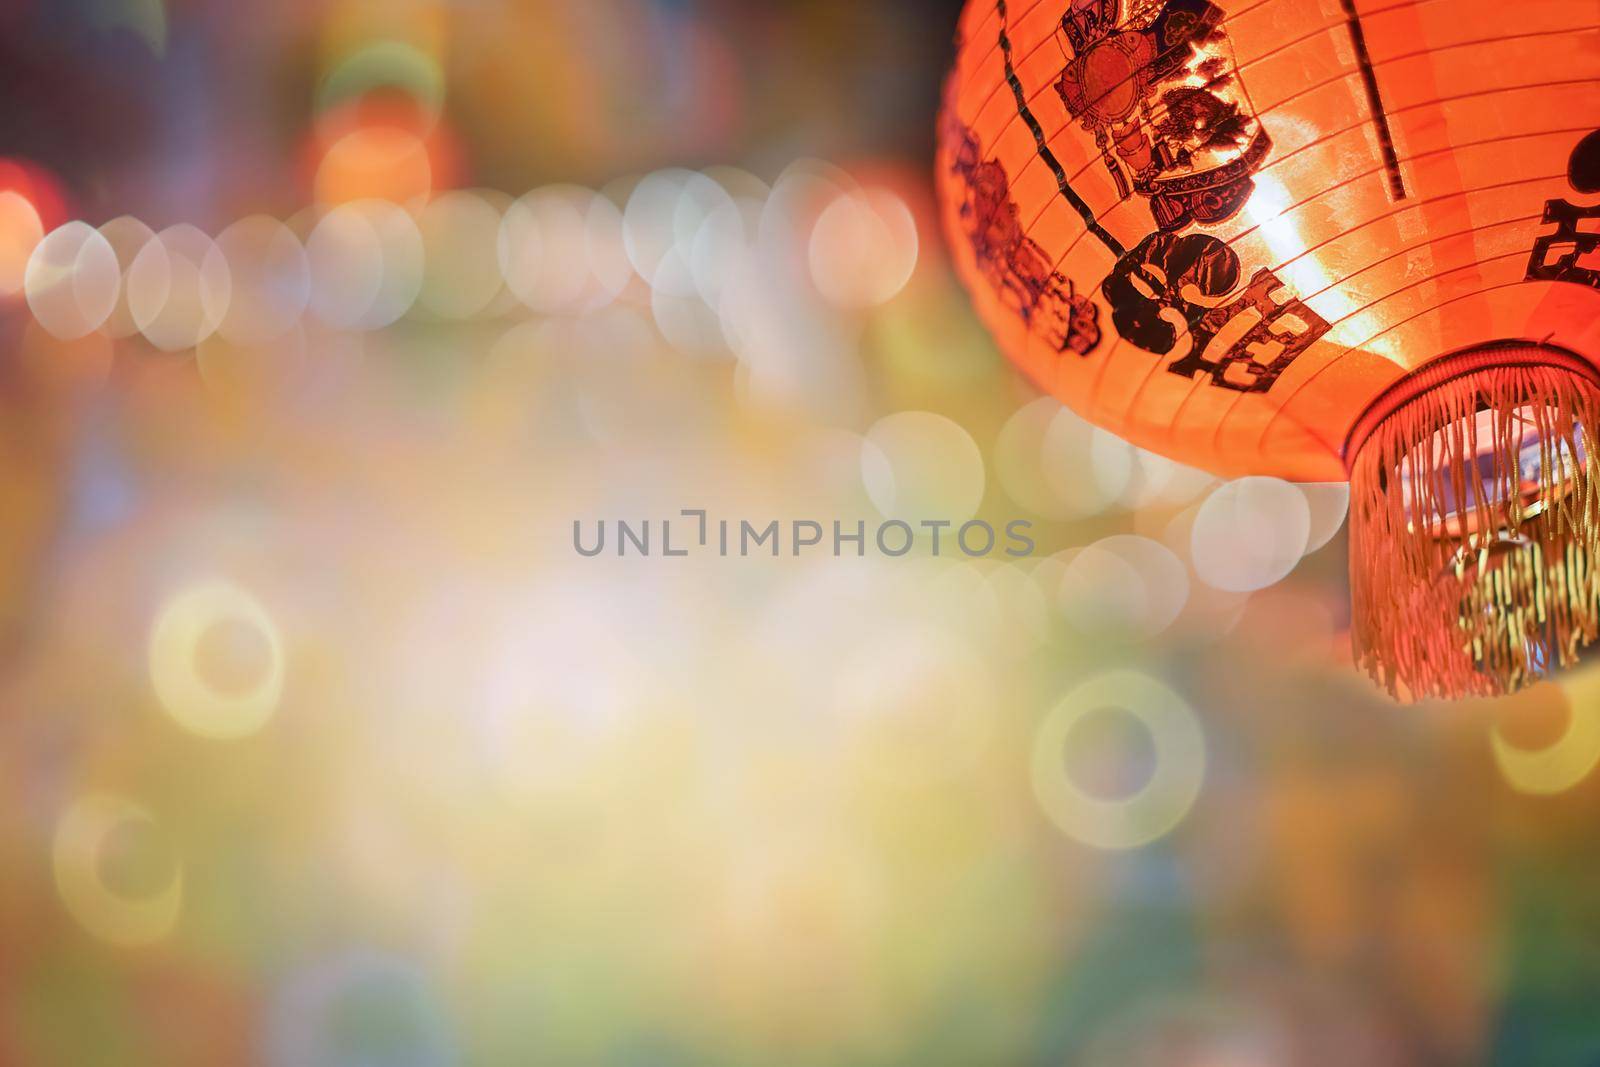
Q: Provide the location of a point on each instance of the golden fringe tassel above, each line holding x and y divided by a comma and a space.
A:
1485, 596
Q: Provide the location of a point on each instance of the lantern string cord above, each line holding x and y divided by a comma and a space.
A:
1380, 116
1063, 183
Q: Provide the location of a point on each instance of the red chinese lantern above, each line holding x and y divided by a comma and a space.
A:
1318, 239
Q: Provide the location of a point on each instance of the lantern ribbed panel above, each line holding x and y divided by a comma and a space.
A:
1222, 229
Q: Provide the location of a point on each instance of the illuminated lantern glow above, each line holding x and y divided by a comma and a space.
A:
1318, 240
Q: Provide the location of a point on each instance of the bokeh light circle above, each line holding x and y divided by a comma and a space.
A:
384, 66
561, 249
127, 237
461, 239
1155, 808
357, 1009
1568, 759
366, 262
72, 281
379, 162
1019, 459
1123, 585
1249, 534
217, 661
401, 243
116, 874
799, 196
179, 288
1024, 612
724, 248
271, 280
687, 323
1156, 481
663, 216
20, 231
863, 248
1088, 469
1044, 460
1329, 504
917, 465
345, 258
701, 200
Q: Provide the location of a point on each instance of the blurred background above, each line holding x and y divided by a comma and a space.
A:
323, 323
